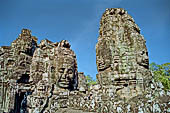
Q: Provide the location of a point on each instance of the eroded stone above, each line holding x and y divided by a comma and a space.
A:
43, 78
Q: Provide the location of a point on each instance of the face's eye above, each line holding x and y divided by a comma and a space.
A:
70, 71
61, 70
143, 52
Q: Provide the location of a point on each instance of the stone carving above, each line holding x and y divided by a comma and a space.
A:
66, 70
15, 63
43, 78
121, 54
55, 63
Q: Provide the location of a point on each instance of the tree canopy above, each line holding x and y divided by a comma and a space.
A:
90, 81
161, 73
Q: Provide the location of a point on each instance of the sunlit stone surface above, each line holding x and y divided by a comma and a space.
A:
121, 54
43, 78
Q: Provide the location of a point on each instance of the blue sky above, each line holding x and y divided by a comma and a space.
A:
78, 22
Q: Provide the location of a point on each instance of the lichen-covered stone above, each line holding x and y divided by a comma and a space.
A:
121, 54
15, 63
43, 78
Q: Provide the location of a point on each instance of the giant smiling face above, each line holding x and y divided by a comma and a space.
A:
66, 73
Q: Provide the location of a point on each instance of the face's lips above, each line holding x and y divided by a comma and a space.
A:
146, 61
64, 85
64, 82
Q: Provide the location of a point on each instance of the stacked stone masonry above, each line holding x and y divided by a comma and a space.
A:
43, 78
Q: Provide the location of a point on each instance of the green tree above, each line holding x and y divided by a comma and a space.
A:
162, 74
90, 81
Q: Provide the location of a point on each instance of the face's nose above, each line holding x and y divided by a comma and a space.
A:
146, 57
65, 74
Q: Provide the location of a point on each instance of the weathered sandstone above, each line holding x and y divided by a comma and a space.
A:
44, 78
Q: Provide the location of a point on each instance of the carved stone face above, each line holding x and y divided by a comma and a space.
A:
103, 58
102, 63
67, 77
142, 59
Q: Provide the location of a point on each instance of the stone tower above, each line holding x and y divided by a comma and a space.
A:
43, 78
15, 61
121, 54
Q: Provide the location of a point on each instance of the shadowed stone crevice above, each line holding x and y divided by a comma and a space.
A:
24, 78
20, 105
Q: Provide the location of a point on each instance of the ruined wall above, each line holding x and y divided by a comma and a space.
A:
15, 63
33, 75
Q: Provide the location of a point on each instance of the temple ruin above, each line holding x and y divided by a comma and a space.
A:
44, 78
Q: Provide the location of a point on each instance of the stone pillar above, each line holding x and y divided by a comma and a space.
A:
121, 54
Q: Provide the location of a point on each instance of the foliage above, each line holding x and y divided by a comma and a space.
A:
162, 74
90, 81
